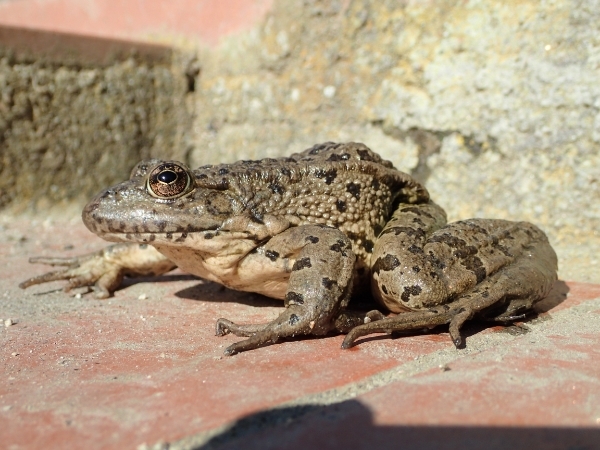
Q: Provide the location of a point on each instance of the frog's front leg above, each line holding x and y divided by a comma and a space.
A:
491, 269
103, 270
320, 262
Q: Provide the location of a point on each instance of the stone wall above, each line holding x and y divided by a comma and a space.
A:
71, 124
494, 104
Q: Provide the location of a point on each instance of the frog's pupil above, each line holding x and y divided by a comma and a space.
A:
167, 176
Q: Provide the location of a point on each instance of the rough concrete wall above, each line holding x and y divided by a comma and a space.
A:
66, 131
494, 104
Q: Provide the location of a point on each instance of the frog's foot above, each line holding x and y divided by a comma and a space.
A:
416, 320
292, 322
270, 333
102, 271
86, 271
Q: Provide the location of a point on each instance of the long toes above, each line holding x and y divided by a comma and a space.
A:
374, 316
53, 261
255, 341
352, 336
223, 327
456, 323
50, 276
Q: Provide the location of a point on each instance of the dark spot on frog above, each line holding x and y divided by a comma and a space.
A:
418, 221
408, 291
415, 210
339, 247
415, 233
340, 205
294, 319
271, 254
285, 171
294, 298
415, 249
336, 157
485, 294
479, 229
209, 235
312, 239
223, 171
384, 289
128, 236
375, 184
353, 189
316, 149
169, 236
364, 155
328, 283
276, 188
328, 175
377, 229
256, 216
475, 265
435, 261
182, 238
369, 245
504, 250
301, 263
325, 146
151, 238
416, 269
465, 252
434, 275
387, 263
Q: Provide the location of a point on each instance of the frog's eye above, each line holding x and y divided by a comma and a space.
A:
168, 180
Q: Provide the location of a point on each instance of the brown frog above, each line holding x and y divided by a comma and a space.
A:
311, 229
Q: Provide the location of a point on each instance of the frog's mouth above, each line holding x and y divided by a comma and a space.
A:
124, 214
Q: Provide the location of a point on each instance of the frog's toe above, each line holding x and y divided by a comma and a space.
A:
225, 326
257, 340
55, 261
457, 321
402, 322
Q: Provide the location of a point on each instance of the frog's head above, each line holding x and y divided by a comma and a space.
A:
162, 201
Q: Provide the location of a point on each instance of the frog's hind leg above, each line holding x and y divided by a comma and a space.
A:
321, 264
503, 296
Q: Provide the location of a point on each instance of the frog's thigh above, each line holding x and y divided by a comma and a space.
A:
503, 296
454, 259
319, 284
513, 268
401, 272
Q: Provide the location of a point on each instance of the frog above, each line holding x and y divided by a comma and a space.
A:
314, 229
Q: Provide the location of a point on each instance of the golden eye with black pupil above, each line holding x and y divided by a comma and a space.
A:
168, 180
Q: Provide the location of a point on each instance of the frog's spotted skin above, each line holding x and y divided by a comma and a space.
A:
310, 228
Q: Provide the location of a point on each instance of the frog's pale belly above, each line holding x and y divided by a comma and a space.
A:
306, 229
237, 269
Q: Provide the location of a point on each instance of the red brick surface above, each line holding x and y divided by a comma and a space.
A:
206, 20
116, 373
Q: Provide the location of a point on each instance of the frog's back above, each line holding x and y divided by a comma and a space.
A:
346, 186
